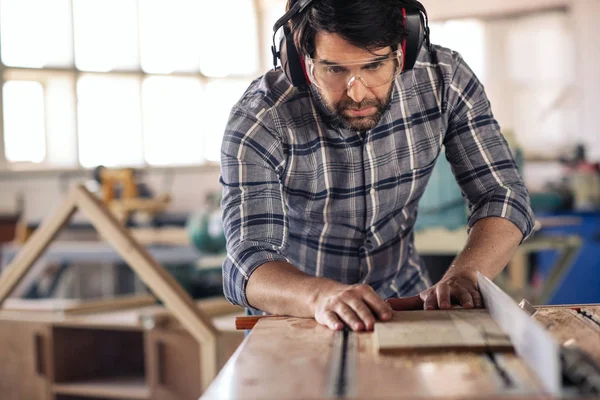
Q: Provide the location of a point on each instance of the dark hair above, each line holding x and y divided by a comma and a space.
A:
368, 24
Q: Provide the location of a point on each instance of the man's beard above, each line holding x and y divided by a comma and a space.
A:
358, 123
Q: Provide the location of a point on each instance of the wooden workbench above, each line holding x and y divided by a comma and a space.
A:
293, 358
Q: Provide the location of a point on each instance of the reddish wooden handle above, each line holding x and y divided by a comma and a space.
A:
242, 323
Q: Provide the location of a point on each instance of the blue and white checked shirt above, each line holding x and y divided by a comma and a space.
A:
342, 205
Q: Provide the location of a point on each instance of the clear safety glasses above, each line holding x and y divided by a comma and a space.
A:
338, 77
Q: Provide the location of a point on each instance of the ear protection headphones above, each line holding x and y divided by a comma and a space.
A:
415, 23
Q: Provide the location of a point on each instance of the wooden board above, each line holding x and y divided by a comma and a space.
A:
282, 358
448, 375
113, 388
80, 306
440, 330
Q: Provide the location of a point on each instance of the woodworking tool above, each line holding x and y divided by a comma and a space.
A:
561, 369
532, 343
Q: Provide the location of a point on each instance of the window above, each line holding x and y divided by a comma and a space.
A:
542, 81
122, 82
466, 36
24, 121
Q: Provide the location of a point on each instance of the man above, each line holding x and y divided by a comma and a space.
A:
320, 186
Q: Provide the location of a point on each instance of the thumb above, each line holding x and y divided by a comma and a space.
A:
406, 303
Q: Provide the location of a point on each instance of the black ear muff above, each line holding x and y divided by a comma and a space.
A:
415, 28
291, 62
287, 53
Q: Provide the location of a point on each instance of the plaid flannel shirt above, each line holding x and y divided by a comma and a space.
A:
339, 204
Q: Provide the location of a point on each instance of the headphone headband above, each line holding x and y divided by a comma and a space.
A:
416, 22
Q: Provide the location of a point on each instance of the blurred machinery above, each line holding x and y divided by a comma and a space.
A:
205, 228
126, 197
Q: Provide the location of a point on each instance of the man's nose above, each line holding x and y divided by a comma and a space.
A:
356, 89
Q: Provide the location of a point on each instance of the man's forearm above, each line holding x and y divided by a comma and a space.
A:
491, 245
280, 288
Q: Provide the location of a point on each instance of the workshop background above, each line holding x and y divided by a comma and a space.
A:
136, 94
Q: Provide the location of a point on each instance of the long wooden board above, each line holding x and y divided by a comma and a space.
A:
440, 330
282, 358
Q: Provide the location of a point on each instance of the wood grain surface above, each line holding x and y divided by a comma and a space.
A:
440, 330
282, 358
290, 358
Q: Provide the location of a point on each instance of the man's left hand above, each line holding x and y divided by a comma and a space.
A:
457, 289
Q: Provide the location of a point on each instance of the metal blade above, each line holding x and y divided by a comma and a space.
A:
532, 343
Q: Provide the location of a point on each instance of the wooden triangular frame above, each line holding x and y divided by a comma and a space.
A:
162, 284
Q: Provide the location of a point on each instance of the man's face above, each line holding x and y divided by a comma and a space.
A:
358, 107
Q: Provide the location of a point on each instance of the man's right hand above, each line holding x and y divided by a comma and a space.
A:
357, 306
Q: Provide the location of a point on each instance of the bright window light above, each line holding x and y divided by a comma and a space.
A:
219, 97
225, 51
36, 33
109, 120
24, 130
170, 35
466, 36
173, 120
106, 36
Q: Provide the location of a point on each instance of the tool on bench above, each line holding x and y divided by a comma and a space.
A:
580, 373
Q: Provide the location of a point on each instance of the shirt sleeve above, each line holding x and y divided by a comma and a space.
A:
481, 160
254, 217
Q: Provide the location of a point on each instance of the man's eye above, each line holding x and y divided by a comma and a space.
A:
373, 66
334, 69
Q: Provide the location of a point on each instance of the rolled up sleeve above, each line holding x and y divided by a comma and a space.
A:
481, 159
254, 217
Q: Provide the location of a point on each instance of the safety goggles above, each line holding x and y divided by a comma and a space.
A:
338, 77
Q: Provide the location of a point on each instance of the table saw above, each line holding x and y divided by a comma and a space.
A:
552, 352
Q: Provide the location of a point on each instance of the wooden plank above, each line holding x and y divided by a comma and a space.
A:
35, 246
77, 306
167, 235
25, 360
281, 358
112, 388
441, 375
172, 364
164, 286
211, 307
440, 330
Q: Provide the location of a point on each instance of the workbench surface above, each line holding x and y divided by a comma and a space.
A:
294, 358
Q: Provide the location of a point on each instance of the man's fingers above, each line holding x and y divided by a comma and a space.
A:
443, 296
430, 302
406, 303
465, 298
363, 312
332, 321
476, 298
349, 317
382, 309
